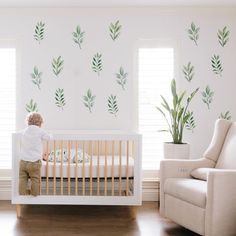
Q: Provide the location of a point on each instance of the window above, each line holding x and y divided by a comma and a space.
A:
155, 72
7, 104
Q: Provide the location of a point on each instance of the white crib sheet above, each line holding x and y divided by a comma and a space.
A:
69, 170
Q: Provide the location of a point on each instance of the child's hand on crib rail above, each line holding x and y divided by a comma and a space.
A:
45, 156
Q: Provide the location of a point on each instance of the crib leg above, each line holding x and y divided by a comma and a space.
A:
133, 212
18, 210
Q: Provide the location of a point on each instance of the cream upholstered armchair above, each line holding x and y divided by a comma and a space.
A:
201, 194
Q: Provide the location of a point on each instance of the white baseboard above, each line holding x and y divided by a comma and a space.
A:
150, 189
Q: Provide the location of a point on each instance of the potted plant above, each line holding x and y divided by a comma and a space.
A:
176, 116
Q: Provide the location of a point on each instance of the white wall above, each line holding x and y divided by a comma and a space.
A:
77, 75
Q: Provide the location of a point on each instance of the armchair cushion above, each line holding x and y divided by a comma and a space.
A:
189, 190
201, 173
220, 132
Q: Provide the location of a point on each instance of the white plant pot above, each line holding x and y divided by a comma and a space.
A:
176, 151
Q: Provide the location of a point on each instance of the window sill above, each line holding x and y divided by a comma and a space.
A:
150, 174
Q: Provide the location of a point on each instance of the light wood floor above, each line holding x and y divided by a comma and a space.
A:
87, 221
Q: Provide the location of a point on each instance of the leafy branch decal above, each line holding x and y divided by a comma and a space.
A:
193, 33
39, 31
112, 105
32, 106
121, 77
78, 36
60, 98
207, 96
36, 77
89, 100
115, 30
190, 123
57, 65
225, 115
223, 36
188, 71
97, 63
216, 65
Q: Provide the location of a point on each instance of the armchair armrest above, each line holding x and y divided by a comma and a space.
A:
182, 168
221, 203
178, 169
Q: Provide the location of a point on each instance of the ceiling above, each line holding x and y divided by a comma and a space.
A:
117, 3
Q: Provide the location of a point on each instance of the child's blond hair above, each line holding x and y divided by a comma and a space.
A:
34, 118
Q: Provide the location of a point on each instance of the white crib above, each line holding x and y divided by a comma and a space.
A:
111, 175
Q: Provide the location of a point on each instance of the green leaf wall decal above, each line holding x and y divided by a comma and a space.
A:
223, 36
115, 30
57, 65
39, 31
216, 64
78, 36
60, 98
121, 77
88, 100
190, 124
207, 96
188, 71
36, 77
97, 63
225, 115
32, 106
193, 32
112, 105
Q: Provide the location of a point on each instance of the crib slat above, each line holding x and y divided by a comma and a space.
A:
40, 177
54, 168
47, 152
76, 167
127, 168
68, 170
112, 170
98, 169
133, 149
105, 171
120, 153
83, 169
40, 184
91, 167
61, 170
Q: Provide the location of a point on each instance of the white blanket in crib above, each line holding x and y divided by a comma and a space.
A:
80, 156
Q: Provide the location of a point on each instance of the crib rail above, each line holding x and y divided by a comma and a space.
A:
87, 165
83, 177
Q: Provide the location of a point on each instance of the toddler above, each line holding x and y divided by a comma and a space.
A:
31, 153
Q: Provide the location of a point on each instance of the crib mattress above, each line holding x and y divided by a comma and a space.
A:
93, 169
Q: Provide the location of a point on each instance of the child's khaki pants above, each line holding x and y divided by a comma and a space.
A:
30, 170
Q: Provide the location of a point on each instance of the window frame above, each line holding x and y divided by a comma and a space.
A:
151, 43
5, 173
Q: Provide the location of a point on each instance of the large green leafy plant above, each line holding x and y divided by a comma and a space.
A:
176, 114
